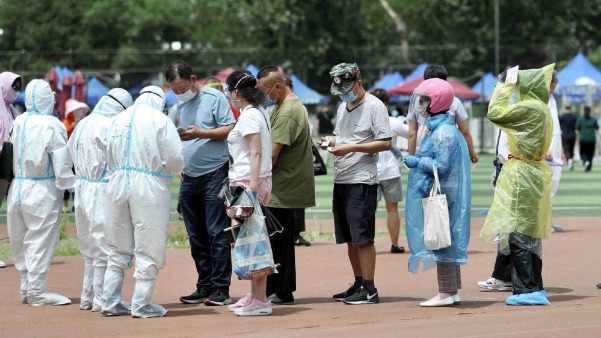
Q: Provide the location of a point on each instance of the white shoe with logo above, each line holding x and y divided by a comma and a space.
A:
496, 285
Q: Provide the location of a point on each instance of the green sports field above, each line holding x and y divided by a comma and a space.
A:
579, 193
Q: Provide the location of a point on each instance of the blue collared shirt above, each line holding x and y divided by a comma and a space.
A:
208, 110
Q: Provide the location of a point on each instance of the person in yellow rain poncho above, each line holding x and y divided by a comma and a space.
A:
520, 215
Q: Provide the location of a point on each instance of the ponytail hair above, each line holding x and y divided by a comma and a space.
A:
246, 83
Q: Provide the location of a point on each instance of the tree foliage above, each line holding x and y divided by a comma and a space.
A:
305, 36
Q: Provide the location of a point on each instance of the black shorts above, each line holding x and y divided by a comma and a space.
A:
354, 207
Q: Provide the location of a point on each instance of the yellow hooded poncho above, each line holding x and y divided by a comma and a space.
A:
522, 201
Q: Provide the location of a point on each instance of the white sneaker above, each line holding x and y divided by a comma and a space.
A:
2, 264
496, 285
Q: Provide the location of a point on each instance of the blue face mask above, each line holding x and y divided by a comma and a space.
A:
268, 102
348, 97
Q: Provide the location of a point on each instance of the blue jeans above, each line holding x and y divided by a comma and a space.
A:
205, 218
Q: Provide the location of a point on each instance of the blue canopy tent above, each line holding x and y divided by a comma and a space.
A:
417, 72
485, 87
253, 69
307, 95
95, 90
579, 81
388, 82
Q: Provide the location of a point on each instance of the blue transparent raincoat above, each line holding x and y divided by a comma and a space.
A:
445, 148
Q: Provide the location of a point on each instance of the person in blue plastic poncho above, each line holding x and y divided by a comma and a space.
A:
444, 148
520, 214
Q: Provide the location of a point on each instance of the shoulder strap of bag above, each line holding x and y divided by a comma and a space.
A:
436, 185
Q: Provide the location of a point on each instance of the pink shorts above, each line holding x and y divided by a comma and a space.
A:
264, 190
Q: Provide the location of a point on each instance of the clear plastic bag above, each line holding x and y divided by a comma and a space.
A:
252, 256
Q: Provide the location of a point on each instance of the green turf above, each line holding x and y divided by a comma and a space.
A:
579, 193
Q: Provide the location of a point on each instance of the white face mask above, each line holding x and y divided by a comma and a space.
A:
187, 96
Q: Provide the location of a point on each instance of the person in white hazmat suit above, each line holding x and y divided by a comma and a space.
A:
87, 147
143, 149
42, 168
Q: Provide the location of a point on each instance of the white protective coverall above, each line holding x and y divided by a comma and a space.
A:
144, 148
42, 168
87, 146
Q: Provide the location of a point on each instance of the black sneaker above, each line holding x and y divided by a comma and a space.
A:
279, 300
397, 249
350, 291
362, 296
218, 298
197, 297
300, 241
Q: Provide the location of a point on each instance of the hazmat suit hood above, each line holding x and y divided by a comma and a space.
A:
152, 96
535, 83
114, 102
39, 98
8, 113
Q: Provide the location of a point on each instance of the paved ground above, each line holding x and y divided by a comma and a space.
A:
571, 270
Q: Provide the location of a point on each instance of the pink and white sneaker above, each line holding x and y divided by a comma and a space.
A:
254, 307
239, 304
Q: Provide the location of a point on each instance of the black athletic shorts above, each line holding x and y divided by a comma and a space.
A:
354, 207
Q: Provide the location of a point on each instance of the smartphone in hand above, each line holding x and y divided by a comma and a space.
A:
181, 129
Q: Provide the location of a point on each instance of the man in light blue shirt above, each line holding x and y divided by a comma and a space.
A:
205, 121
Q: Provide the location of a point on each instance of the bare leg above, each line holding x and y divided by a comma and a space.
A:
367, 258
393, 221
353, 255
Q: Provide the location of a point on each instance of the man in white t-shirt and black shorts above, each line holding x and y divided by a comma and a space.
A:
362, 131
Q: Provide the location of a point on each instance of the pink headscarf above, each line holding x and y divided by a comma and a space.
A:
8, 113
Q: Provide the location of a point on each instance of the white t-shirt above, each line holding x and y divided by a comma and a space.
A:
388, 165
457, 113
252, 120
365, 123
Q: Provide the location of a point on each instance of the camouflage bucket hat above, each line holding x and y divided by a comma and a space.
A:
344, 76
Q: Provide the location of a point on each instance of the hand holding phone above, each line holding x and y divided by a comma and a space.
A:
181, 129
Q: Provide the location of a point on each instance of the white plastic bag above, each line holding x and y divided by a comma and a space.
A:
437, 231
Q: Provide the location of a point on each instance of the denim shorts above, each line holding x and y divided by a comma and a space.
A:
354, 208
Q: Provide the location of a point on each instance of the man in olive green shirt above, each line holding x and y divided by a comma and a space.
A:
292, 176
587, 127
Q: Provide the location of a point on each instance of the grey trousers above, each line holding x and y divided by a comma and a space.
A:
449, 277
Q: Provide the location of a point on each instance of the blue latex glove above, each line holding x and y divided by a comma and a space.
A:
411, 161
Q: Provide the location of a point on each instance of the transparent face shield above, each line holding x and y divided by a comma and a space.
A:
419, 105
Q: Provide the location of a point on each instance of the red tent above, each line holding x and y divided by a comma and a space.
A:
407, 88
79, 82
64, 95
221, 75
52, 78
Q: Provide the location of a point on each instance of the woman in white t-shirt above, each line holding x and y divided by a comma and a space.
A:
250, 155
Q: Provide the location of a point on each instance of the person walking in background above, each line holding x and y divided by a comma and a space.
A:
143, 150
389, 175
567, 123
457, 113
87, 146
249, 145
587, 127
293, 179
520, 215
443, 149
43, 169
362, 131
206, 120
10, 86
